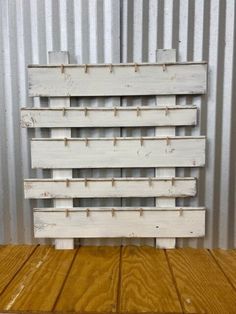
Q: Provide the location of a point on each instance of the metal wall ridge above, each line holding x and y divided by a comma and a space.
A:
105, 31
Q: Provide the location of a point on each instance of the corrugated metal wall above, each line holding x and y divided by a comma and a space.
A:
119, 31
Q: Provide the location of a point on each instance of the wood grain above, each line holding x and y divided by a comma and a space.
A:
12, 259
186, 151
149, 79
92, 282
119, 223
146, 284
110, 187
165, 55
39, 282
227, 261
108, 117
202, 285
61, 57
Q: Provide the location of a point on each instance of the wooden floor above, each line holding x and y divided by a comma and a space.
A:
117, 280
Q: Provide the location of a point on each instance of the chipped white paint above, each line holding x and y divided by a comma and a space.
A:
122, 80
117, 187
119, 152
58, 58
166, 55
108, 117
47, 26
79, 223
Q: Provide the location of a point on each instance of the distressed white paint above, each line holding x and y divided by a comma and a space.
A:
34, 27
117, 187
118, 152
165, 55
106, 223
61, 57
120, 80
108, 117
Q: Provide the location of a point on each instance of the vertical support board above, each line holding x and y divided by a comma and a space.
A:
61, 57
162, 56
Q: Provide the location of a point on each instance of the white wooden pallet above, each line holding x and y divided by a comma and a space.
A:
164, 151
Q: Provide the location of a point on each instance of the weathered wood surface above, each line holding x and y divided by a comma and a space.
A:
64, 102
12, 259
122, 222
146, 282
39, 282
201, 283
227, 261
165, 55
98, 80
113, 279
110, 187
118, 152
108, 117
92, 283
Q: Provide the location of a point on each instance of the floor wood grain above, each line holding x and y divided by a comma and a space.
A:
201, 283
92, 283
227, 261
39, 282
146, 284
132, 280
12, 258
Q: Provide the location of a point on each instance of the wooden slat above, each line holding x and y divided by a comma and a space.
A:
149, 79
227, 261
165, 55
202, 285
119, 222
59, 58
146, 283
108, 117
110, 187
92, 283
39, 282
119, 152
12, 258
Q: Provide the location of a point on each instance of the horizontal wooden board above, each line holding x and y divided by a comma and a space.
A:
226, 260
108, 117
146, 282
127, 152
34, 289
109, 187
92, 283
202, 286
122, 222
123, 80
12, 258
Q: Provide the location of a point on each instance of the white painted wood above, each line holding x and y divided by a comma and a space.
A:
120, 80
165, 55
118, 152
165, 243
108, 187
51, 223
108, 117
118, 209
59, 58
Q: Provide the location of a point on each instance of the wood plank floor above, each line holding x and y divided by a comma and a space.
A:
39, 279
